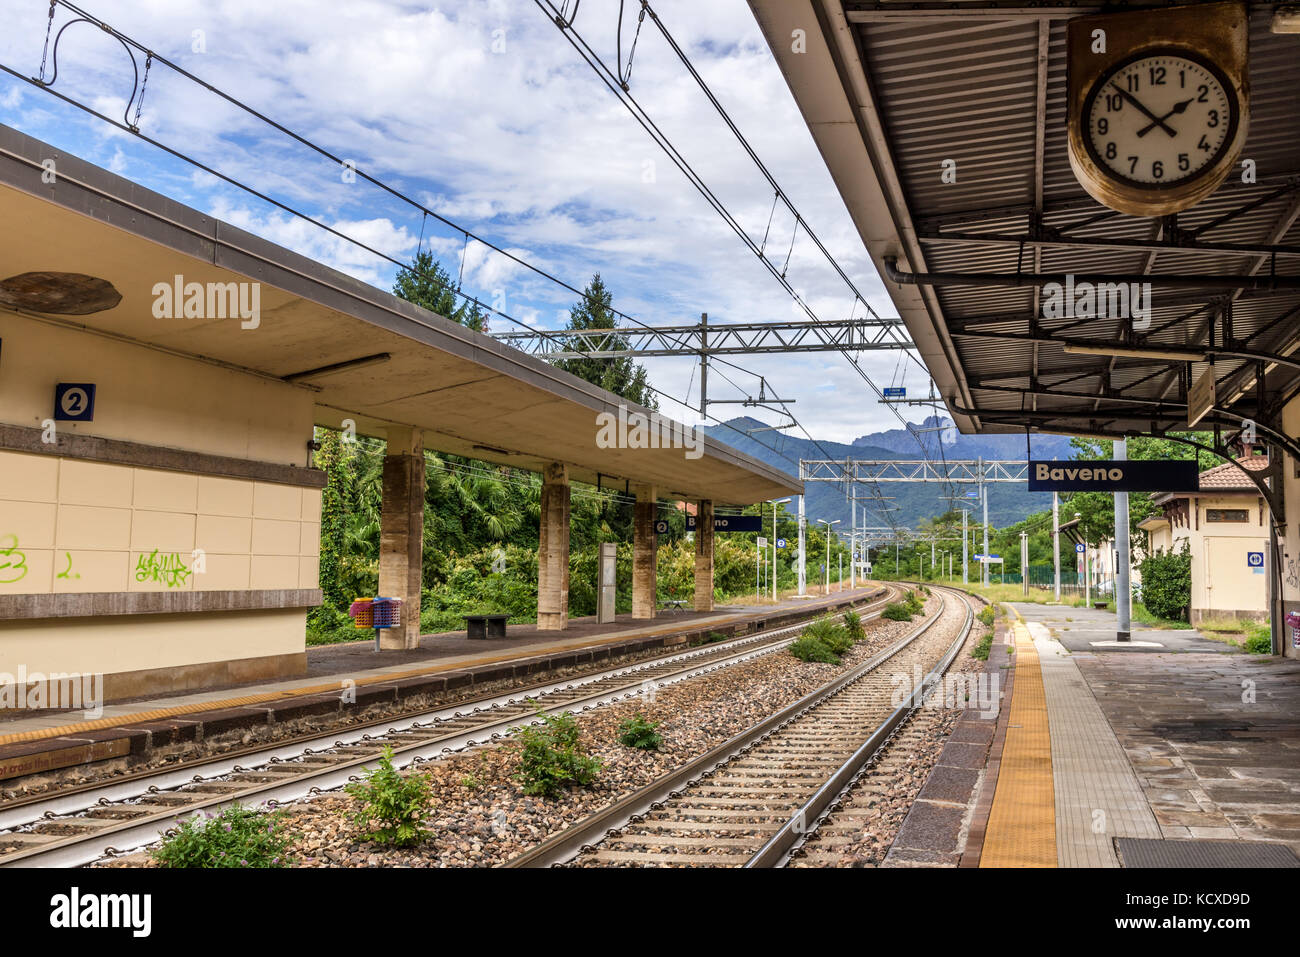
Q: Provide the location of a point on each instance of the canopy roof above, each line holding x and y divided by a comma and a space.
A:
364, 354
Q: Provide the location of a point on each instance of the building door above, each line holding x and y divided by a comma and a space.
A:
1231, 584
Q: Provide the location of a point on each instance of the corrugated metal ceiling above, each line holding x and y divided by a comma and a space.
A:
966, 85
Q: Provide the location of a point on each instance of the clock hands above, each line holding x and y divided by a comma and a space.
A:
1156, 120
1178, 109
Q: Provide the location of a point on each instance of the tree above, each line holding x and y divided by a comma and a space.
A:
1098, 508
621, 376
333, 514
1167, 584
426, 283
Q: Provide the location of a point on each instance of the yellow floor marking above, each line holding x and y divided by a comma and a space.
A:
1022, 823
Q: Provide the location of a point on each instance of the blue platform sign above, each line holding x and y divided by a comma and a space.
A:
74, 402
780, 543
1255, 562
895, 392
1079, 548
661, 527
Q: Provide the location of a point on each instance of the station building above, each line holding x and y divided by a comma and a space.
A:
161, 373
1224, 527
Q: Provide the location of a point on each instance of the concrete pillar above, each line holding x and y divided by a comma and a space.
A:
704, 556
401, 534
803, 559
645, 553
1123, 562
553, 551
1289, 539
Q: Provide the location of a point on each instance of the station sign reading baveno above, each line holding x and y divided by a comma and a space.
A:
1112, 475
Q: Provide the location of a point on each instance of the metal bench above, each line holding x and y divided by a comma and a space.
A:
486, 626
676, 604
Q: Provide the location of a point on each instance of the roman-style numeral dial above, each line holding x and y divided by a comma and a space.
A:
1160, 119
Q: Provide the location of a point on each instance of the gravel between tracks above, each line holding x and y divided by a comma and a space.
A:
482, 818
888, 810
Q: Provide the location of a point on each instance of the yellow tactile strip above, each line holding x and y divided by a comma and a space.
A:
1022, 824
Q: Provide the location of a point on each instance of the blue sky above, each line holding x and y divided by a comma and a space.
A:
483, 112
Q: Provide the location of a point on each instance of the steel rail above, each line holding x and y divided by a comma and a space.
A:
631, 809
78, 849
805, 821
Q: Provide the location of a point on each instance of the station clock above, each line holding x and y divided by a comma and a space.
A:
1158, 105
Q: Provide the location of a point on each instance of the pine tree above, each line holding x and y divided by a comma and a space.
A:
429, 285
621, 376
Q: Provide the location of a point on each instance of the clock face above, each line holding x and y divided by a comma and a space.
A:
1160, 119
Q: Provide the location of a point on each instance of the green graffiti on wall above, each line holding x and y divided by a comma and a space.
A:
166, 570
13, 562
68, 573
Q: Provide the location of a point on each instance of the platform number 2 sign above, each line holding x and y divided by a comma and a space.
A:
74, 402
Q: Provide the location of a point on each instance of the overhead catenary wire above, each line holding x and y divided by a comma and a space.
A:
425, 211
610, 79
563, 19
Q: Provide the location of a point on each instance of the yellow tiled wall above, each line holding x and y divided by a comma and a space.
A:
68, 525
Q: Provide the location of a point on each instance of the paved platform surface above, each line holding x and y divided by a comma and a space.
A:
329, 665
1078, 628
1193, 742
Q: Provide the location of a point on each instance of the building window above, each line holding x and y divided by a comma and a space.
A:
1227, 515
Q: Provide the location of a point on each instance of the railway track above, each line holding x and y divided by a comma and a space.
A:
751, 800
834, 838
75, 828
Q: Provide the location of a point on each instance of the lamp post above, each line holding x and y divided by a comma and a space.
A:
828, 551
1087, 576
775, 503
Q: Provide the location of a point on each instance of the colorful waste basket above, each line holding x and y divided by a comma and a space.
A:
386, 613
362, 613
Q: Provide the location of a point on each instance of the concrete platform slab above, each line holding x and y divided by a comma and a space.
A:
1148, 748
1092, 629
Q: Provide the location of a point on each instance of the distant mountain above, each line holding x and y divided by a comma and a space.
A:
1008, 503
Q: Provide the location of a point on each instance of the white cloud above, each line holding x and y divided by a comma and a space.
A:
525, 147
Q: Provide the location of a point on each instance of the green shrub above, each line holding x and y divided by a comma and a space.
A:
811, 649
831, 634
639, 732
552, 758
236, 837
895, 611
396, 802
983, 647
914, 603
1167, 584
327, 625
853, 624
987, 614
1259, 638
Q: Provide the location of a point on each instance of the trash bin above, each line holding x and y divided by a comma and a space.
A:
362, 612
386, 613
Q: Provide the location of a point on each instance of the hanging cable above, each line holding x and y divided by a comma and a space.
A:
762, 249
793, 233
625, 75
464, 252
